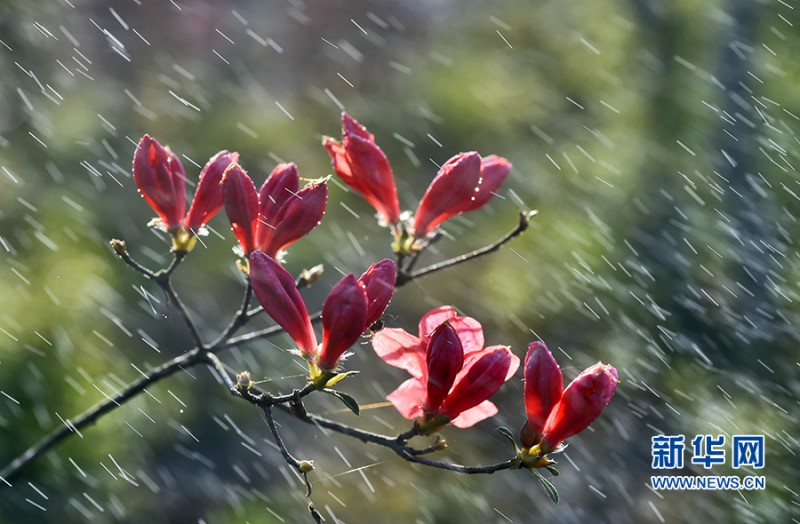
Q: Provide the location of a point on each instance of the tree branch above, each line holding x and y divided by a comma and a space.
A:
71, 427
524, 221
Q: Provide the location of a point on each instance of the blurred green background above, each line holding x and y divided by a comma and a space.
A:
658, 140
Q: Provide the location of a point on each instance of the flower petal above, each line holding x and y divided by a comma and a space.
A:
297, 216
208, 196
408, 398
344, 317
432, 319
494, 170
444, 359
581, 403
279, 187
363, 166
161, 180
402, 350
483, 378
241, 205
472, 416
275, 289
470, 332
378, 281
543, 384
450, 193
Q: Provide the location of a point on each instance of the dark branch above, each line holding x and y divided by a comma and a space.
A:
524, 221
93, 414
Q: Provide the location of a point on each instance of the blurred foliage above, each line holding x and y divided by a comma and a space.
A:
658, 140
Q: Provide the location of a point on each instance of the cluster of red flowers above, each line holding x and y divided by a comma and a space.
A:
452, 374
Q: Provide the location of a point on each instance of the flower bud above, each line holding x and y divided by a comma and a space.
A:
344, 317
208, 196
582, 402
379, 283
363, 166
241, 205
275, 289
286, 214
464, 183
543, 385
445, 358
244, 382
480, 382
161, 181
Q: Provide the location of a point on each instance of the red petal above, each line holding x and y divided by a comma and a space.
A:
402, 350
470, 332
297, 216
160, 178
582, 402
472, 416
378, 282
543, 384
208, 196
450, 193
432, 319
344, 317
241, 205
350, 126
444, 359
408, 398
275, 289
494, 170
362, 165
281, 185
479, 383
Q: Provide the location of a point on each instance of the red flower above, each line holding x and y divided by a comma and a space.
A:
453, 375
466, 182
554, 416
161, 181
345, 312
278, 215
362, 165
208, 195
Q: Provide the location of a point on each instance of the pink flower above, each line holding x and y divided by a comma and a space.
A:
466, 182
361, 164
346, 312
159, 175
453, 375
554, 416
278, 215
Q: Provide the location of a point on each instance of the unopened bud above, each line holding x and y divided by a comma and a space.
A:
119, 247
310, 275
243, 382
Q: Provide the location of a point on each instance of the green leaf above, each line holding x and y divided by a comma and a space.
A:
552, 470
346, 399
547, 485
506, 433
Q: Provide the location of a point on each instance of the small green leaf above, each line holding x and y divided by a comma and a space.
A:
553, 470
547, 485
506, 433
346, 399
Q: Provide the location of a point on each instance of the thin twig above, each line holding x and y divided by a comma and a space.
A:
302, 467
401, 448
216, 364
163, 280
91, 415
524, 221
239, 319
